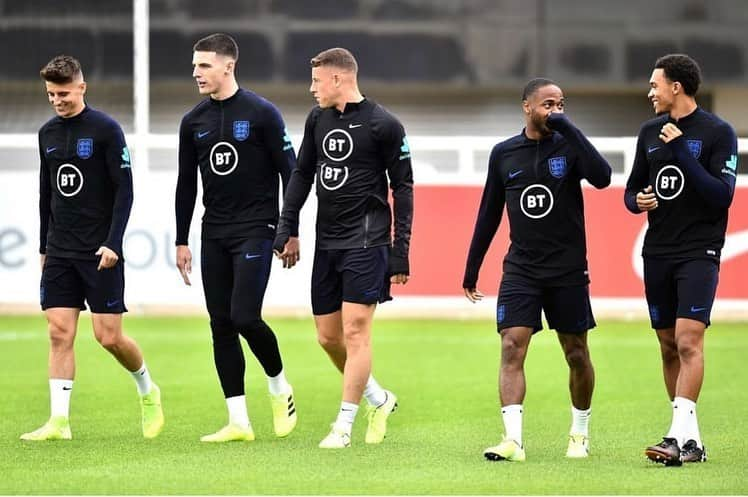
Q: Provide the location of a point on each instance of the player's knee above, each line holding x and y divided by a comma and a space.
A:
221, 328
356, 331
689, 350
109, 339
512, 350
60, 335
330, 341
578, 357
247, 324
669, 352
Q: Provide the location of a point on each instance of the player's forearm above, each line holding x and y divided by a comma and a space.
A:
591, 163
403, 210
120, 212
184, 206
298, 190
629, 200
45, 207
714, 191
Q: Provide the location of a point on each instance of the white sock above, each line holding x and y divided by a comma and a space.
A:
142, 379
512, 415
374, 394
238, 411
278, 384
59, 397
682, 410
690, 427
346, 416
580, 421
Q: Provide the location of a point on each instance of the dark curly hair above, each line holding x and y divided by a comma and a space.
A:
683, 69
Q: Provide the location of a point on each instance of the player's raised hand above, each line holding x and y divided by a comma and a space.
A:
108, 258
670, 132
184, 263
646, 200
473, 294
291, 252
399, 279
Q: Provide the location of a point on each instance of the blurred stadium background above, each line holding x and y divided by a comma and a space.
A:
452, 70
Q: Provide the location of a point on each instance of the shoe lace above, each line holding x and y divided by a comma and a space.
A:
667, 442
690, 447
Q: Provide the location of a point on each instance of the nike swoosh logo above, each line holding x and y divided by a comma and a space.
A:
67, 388
51, 149
252, 256
697, 309
514, 174
351, 126
652, 149
112, 303
202, 134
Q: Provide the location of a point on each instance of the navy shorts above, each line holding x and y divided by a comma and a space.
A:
679, 288
351, 275
567, 308
235, 273
70, 282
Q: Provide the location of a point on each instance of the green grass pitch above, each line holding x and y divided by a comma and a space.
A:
445, 375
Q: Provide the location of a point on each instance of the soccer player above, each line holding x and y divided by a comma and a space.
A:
537, 175
352, 145
85, 196
683, 177
238, 141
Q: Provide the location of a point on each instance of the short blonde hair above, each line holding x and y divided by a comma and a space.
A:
337, 57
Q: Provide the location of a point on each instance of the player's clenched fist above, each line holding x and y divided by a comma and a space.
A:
646, 200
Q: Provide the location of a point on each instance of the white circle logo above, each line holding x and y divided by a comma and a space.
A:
69, 180
223, 158
332, 177
669, 182
536, 201
337, 145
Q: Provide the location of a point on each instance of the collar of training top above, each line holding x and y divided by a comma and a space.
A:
351, 107
76, 117
225, 100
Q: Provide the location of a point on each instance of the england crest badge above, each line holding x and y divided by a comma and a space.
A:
694, 146
241, 130
85, 148
557, 166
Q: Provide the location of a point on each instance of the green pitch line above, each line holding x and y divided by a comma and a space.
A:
444, 373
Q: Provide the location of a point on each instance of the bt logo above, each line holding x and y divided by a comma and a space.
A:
337, 145
69, 180
669, 182
536, 201
223, 158
332, 177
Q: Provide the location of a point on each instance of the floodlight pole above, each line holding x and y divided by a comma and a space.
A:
141, 82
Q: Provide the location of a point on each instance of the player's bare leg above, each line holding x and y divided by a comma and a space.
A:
330, 337
514, 345
581, 386
683, 441
670, 359
108, 332
62, 325
581, 372
515, 342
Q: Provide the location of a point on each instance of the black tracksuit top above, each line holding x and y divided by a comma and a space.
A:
242, 148
693, 178
539, 181
85, 185
352, 154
